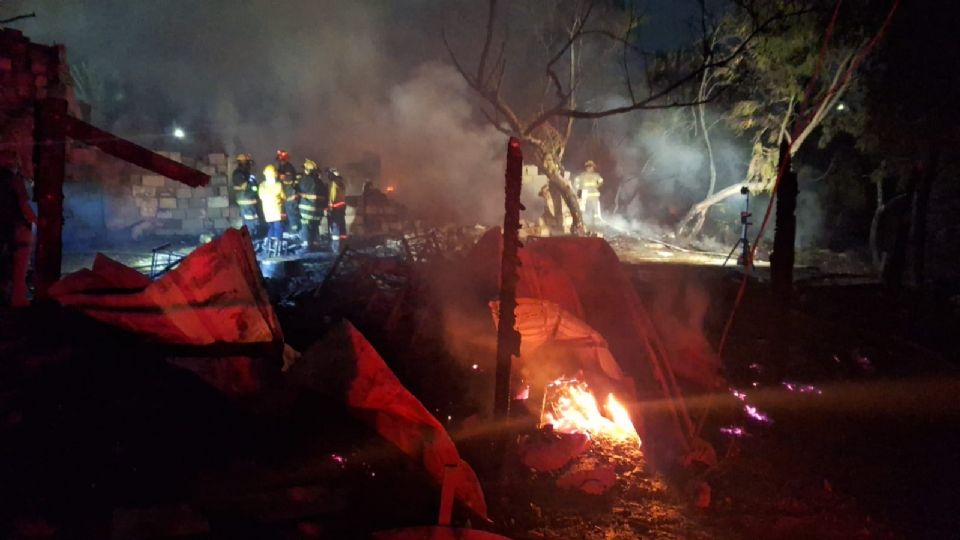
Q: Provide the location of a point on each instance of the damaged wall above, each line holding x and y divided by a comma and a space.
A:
104, 195
29, 71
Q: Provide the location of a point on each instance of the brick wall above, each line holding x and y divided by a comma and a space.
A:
28, 72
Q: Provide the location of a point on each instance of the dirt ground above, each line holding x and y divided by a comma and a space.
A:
858, 385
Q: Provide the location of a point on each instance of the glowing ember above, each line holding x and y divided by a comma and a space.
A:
802, 388
733, 431
570, 407
757, 414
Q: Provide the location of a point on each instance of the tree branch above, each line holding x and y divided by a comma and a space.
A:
17, 18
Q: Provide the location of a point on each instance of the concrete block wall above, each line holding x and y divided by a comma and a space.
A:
140, 204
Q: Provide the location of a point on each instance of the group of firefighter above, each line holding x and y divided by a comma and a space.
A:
284, 200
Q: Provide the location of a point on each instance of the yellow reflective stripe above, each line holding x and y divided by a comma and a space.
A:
308, 196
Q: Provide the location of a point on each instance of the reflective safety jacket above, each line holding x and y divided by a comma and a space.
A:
271, 200
338, 194
313, 197
588, 184
245, 191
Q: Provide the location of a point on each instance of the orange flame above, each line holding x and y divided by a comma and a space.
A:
570, 406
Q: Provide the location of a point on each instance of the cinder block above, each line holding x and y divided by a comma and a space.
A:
179, 213
234, 212
218, 180
153, 180
217, 159
144, 191
192, 225
196, 203
196, 213
223, 191
148, 212
165, 214
218, 202
200, 192
221, 223
217, 212
184, 193
168, 202
147, 202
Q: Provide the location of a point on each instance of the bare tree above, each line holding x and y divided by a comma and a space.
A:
770, 109
589, 27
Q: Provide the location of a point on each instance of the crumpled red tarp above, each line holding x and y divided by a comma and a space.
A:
584, 277
215, 296
344, 362
543, 323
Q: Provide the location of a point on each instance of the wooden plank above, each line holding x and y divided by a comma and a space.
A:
133, 153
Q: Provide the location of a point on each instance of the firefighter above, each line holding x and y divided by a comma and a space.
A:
287, 175
245, 190
588, 185
16, 234
271, 200
337, 209
313, 202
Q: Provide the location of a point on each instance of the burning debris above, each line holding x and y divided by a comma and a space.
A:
569, 406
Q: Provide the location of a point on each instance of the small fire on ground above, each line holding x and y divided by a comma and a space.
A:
570, 406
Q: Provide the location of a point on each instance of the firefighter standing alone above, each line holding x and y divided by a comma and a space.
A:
287, 175
337, 209
588, 184
245, 189
313, 202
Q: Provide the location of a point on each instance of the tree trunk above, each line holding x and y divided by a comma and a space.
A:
691, 224
785, 232
559, 185
918, 218
875, 254
702, 113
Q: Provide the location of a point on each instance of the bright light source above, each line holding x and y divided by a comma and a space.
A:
179, 133
841, 107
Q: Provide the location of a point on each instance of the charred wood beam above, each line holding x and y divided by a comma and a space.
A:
133, 153
508, 339
50, 157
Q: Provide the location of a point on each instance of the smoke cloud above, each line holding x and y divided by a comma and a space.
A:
332, 81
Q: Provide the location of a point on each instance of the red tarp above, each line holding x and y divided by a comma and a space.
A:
344, 362
584, 277
551, 335
215, 296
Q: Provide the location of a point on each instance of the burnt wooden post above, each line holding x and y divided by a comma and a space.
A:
508, 339
50, 157
785, 232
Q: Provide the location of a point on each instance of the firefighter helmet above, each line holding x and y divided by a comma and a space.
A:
282, 155
270, 171
589, 164
309, 165
243, 157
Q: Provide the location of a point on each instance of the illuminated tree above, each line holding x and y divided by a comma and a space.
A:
587, 66
788, 84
